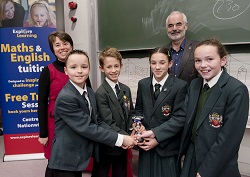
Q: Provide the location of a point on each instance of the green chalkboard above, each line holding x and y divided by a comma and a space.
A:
140, 24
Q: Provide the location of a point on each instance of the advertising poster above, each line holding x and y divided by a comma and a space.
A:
24, 52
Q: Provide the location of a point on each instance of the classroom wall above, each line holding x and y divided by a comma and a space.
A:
85, 35
59, 14
84, 32
244, 154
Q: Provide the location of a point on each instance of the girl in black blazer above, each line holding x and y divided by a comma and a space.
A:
216, 116
158, 154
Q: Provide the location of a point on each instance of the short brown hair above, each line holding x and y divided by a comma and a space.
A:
65, 37
76, 51
109, 52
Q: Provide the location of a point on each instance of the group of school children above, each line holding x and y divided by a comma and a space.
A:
204, 125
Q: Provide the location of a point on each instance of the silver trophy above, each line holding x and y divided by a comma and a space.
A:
137, 120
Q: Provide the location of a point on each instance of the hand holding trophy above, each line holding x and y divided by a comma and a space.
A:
138, 128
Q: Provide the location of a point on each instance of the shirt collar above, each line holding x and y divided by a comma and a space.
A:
183, 43
182, 46
80, 90
162, 82
213, 81
111, 83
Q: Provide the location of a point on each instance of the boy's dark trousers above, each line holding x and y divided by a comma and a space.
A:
62, 173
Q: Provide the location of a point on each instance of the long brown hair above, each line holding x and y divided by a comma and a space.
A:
2, 9
163, 50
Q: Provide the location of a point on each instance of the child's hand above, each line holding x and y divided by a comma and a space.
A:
132, 133
128, 142
147, 134
198, 175
38, 24
136, 128
148, 143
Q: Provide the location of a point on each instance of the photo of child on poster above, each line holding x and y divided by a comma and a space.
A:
34, 13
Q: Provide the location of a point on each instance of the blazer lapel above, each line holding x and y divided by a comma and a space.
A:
92, 101
194, 99
185, 56
213, 97
113, 97
164, 92
126, 104
149, 93
71, 87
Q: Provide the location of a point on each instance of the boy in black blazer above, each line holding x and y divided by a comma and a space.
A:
114, 104
77, 126
157, 104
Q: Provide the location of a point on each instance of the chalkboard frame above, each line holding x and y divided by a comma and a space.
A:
139, 25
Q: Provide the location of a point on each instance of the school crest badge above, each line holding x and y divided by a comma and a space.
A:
166, 110
215, 120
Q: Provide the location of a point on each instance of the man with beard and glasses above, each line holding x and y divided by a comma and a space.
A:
181, 48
